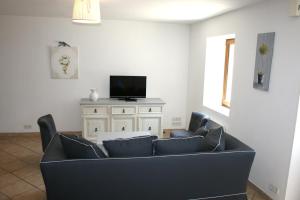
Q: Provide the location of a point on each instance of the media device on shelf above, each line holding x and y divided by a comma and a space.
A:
128, 88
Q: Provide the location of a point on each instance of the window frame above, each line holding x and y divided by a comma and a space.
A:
229, 42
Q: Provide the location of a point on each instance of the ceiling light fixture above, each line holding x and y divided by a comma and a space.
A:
86, 12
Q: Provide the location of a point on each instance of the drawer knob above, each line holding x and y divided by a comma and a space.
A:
95, 111
150, 110
96, 129
123, 110
123, 128
149, 129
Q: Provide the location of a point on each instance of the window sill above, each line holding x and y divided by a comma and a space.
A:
226, 104
219, 109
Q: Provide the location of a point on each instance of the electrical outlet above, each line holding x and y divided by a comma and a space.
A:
27, 126
177, 124
176, 121
273, 189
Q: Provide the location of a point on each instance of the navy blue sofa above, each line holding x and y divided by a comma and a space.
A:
206, 175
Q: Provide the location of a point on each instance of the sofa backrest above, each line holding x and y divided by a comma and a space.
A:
210, 124
55, 150
197, 120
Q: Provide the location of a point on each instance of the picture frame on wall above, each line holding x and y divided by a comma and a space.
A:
263, 63
64, 62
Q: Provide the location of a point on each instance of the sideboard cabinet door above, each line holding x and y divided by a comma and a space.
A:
94, 126
151, 124
123, 123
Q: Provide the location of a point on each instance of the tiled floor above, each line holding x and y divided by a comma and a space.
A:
20, 177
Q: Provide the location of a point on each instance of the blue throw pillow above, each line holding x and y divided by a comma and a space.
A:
180, 145
202, 131
130, 147
215, 139
80, 148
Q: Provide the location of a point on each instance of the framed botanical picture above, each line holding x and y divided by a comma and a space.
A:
263, 63
64, 62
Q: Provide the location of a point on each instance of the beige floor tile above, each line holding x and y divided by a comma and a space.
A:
33, 159
2, 172
27, 171
4, 145
13, 148
3, 142
24, 142
16, 189
36, 148
13, 165
258, 197
31, 195
250, 197
5, 158
4, 138
22, 153
250, 192
17, 140
8, 179
35, 180
42, 187
36, 139
3, 197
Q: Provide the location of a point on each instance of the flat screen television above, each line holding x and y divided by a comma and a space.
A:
128, 87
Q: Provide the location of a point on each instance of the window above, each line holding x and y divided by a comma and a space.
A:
227, 83
218, 73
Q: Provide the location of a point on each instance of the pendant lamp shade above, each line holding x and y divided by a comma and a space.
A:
86, 12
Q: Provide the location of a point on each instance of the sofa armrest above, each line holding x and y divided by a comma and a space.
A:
54, 150
233, 144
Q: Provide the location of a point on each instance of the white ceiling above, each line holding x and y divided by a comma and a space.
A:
150, 10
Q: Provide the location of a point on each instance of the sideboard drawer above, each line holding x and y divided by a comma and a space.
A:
150, 109
118, 110
97, 110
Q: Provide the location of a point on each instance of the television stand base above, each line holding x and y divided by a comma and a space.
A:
128, 99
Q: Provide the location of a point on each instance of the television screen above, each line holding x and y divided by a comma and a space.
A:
128, 86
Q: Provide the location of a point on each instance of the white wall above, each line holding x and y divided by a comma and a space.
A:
263, 120
293, 191
158, 50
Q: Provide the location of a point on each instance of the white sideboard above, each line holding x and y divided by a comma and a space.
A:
112, 115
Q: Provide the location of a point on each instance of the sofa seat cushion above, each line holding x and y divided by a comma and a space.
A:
130, 147
180, 134
215, 139
80, 148
180, 145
